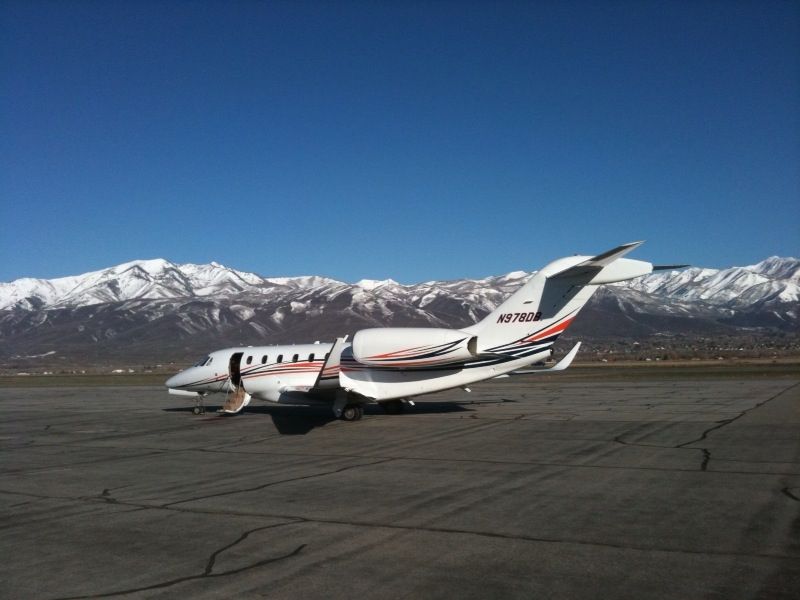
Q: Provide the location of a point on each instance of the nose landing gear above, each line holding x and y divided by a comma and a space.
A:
199, 407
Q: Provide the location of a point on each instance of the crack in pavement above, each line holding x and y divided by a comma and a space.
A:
93, 461
208, 571
788, 492
106, 498
297, 519
719, 425
528, 538
706, 458
705, 452
271, 483
725, 422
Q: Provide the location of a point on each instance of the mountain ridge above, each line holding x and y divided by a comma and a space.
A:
156, 307
160, 278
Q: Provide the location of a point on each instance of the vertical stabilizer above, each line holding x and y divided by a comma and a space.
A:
536, 314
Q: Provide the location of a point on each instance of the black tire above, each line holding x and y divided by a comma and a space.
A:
360, 412
351, 412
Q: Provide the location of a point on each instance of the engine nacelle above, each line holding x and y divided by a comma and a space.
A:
403, 347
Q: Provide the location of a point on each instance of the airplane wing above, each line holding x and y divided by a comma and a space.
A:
329, 374
560, 366
328, 377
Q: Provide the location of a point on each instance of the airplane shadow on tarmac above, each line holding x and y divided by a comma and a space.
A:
300, 420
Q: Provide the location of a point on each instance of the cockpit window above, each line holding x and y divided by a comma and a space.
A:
206, 360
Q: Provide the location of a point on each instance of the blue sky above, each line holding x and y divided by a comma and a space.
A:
411, 140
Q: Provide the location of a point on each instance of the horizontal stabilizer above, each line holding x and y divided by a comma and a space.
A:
668, 267
595, 264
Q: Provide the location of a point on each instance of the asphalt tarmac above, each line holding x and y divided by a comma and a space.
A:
539, 488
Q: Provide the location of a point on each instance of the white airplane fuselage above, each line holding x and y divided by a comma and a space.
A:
264, 372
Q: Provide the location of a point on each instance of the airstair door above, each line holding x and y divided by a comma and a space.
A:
237, 398
234, 369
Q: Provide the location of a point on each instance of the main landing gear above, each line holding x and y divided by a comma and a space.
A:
352, 412
345, 409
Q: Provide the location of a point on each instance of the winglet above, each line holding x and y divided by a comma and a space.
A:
567, 360
560, 366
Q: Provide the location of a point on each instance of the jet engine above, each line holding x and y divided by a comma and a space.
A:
403, 347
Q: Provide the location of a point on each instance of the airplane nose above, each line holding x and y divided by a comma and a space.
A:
174, 381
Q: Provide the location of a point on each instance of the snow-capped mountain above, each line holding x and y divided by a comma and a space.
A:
772, 283
773, 278
150, 279
180, 308
160, 279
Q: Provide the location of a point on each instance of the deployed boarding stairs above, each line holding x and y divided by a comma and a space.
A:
238, 398
235, 401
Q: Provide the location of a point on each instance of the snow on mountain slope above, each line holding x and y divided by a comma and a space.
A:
772, 282
774, 279
139, 279
158, 306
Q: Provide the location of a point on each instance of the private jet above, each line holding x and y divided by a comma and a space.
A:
391, 366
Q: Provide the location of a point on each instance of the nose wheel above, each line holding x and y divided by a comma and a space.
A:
199, 408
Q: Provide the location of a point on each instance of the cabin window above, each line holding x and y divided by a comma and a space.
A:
295, 357
202, 362
327, 354
210, 360
280, 357
311, 357
249, 359
264, 359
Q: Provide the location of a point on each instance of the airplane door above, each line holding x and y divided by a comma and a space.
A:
233, 369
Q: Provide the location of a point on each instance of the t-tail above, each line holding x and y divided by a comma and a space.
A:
533, 317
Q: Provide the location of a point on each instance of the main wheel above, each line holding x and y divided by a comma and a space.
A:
197, 410
352, 412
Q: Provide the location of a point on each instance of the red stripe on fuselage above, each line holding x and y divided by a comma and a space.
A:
558, 328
